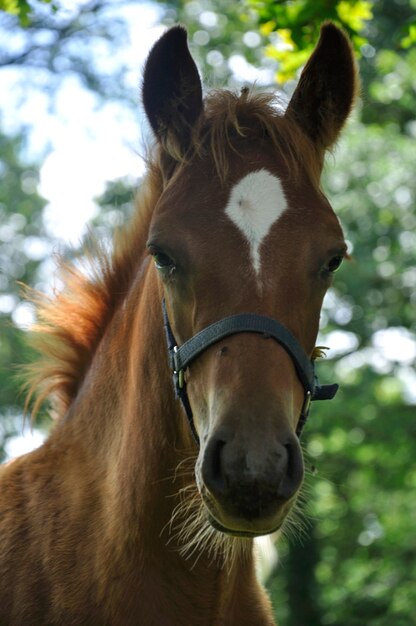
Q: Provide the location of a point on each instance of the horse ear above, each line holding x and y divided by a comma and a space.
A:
327, 88
172, 92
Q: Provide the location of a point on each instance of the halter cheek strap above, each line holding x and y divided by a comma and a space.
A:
181, 356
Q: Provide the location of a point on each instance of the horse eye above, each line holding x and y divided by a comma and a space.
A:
163, 261
334, 264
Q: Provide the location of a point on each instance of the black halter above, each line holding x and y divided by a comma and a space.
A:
181, 356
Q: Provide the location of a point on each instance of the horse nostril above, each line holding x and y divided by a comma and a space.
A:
294, 471
212, 466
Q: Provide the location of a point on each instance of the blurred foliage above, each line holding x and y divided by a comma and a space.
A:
23, 246
55, 41
355, 563
116, 206
20, 8
295, 27
278, 36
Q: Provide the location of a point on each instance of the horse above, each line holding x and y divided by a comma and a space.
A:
142, 505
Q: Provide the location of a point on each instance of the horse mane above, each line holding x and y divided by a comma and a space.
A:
229, 116
71, 323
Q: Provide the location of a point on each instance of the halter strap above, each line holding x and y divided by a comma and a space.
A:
181, 356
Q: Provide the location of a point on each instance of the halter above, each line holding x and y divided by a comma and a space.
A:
181, 356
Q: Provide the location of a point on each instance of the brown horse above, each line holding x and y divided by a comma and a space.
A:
128, 514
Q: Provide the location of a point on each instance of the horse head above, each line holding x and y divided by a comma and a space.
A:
242, 230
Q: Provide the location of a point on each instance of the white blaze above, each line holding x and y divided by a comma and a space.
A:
256, 202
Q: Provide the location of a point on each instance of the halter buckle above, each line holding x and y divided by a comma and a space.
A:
179, 374
306, 404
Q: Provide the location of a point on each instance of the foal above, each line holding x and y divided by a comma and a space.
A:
137, 510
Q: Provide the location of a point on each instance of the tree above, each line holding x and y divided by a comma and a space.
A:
23, 247
54, 42
21, 8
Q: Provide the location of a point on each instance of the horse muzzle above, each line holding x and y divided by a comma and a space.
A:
247, 486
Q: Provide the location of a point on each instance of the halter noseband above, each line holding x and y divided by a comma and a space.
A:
181, 356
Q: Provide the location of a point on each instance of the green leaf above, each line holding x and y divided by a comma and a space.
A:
10, 6
354, 14
20, 8
410, 38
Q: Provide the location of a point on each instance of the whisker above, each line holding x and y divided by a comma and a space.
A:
193, 536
